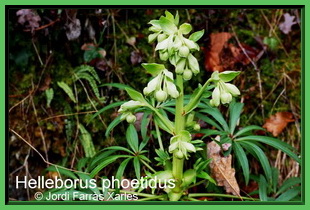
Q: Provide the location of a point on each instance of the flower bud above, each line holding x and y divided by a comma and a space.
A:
183, 51
163, 56
131, 118
179, 154
232, 89
216, 97
226, 98
161, 96
187, 74
196, 127
146, 91
179, 69
161, 37
130, 105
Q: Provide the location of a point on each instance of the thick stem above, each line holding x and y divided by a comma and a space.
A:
177, 164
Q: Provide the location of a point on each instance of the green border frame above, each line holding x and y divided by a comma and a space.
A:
152, 204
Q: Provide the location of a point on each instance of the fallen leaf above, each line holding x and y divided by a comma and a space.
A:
286, 26
217, 42
276, 123
221, 169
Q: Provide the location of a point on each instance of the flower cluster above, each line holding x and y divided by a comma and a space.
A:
127, 110
174, 46
223, 91
181, 145
162, 86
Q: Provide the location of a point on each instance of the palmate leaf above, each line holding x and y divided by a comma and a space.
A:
259, 155
276, 143
243, 161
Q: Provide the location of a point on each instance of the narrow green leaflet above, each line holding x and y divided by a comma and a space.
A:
132, 138
116, 85
110, 106
119, 148
234, 115
209, 121
289, 195
253, 148
263, 188
288, 184
62, 171
217, 115
136, 165
276, 143
112, 125
106, 162
243, 161
247, 129
121, 168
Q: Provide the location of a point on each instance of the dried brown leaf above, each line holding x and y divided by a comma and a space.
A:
221, 169
276, 123
218, 40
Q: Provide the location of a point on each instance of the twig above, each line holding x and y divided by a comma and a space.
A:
37, 52
66, 115
44, 160
42, 27
255, 68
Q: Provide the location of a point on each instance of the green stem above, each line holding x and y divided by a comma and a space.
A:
147, 165
193, 102
219, 195
167, 123
177, 164
159, 137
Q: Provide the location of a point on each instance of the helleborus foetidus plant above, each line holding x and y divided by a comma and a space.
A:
176, 44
